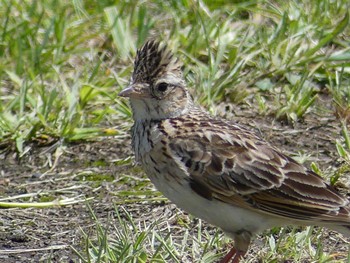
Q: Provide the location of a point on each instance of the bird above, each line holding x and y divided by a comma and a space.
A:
216, 169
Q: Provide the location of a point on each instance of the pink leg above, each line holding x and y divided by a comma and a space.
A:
230, 254
234, 255
237, 258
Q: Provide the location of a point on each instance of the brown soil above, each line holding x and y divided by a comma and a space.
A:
40, 235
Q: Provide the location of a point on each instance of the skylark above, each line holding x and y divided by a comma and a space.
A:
215, 169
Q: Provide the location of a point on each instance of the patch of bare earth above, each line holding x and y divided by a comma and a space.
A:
34, 235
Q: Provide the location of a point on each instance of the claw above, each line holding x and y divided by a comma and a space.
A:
233, 254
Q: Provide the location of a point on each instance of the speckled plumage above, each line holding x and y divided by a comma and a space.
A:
215, 169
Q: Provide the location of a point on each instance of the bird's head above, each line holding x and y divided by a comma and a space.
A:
157, 89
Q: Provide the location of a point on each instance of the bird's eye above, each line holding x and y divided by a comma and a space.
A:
162, 86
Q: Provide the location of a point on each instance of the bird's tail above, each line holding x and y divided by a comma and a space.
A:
346, 230
343, 229
343, 225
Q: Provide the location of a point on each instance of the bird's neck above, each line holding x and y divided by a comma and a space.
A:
147, 111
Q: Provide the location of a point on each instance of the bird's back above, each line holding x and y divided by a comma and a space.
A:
220, 160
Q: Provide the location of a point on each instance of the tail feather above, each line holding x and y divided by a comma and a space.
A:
346, 231
343, 229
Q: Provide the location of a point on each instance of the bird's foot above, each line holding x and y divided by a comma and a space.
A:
233, 255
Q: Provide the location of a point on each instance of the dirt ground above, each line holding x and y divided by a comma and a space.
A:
40, 235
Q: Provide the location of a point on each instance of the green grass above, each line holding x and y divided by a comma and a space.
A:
128, 239
63, 63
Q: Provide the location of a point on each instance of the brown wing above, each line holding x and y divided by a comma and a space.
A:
232, 165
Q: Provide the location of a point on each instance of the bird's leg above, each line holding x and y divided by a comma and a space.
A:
229, 255
237, 258
233, 254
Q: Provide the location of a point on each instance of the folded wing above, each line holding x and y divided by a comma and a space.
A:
235, 166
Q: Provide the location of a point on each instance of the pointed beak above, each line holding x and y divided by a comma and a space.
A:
128, 92
135, 92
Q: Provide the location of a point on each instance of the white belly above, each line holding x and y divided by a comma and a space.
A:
170, 178
228, 217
